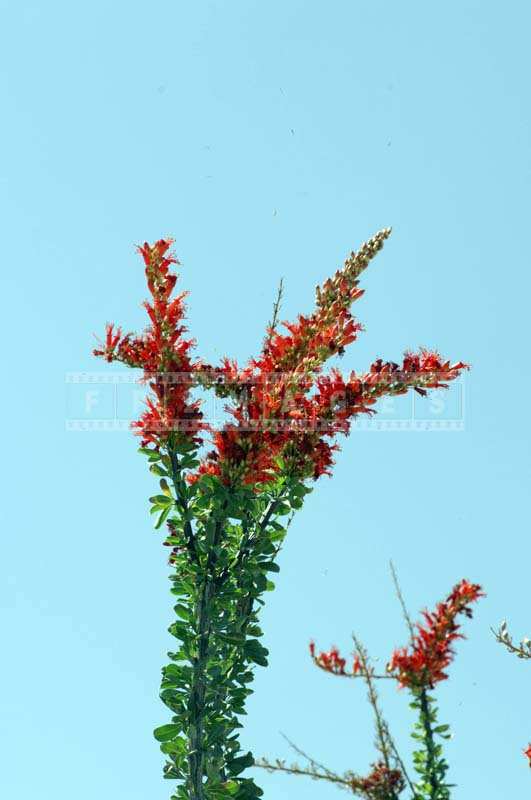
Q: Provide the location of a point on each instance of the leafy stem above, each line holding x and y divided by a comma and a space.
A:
181, 503
430, 763
198, 688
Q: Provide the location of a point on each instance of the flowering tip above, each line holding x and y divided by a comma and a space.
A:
425, 662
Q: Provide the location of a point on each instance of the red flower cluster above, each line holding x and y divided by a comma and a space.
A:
330, 662
334, 663
425, 661
527, 753
162, 352
284, 410
381, 783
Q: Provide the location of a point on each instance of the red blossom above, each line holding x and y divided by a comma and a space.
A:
283, 409
112, 337
284, 406
424, 662
334, 663
357, 666
329, 662
162, 353
527, 753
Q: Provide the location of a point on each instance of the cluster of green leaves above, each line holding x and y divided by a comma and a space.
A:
430, 764
224, 544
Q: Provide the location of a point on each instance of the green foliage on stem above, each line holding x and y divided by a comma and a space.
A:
430, 764
224, 541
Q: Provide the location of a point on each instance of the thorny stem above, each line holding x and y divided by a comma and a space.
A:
373, 700
386, 742
401, 764
315, 769
304, 755
423, 698
344, 783
180, 501
198, 688
402, 602
248, 538
197, 755
276, 310
431, 757
246, 603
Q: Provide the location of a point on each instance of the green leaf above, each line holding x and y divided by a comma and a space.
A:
185, 447
249, 790
183, 612
158, 470
153, 455
162, 517
256, 652
180, 630
238, 765
269, 566
177, 747
232, 638
166, 732
173, 541
165, 488
161, 500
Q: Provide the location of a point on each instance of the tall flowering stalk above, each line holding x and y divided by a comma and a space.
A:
419, 667
224, 504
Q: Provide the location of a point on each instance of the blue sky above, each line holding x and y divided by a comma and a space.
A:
268, 139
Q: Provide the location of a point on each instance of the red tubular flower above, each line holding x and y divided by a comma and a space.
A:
334, 663
329, 662
425, 661
162, 353
112, 337
527, 753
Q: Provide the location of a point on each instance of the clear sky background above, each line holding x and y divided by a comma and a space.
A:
269, 139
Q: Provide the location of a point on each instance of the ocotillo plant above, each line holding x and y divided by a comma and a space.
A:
225, 508
520, 649
418, 668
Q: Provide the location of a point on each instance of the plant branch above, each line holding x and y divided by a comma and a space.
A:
372, 694
521, 650
431, 757
385, 741
315, 769
181, 503
402, 602
274, 319
198, 688
295, 769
